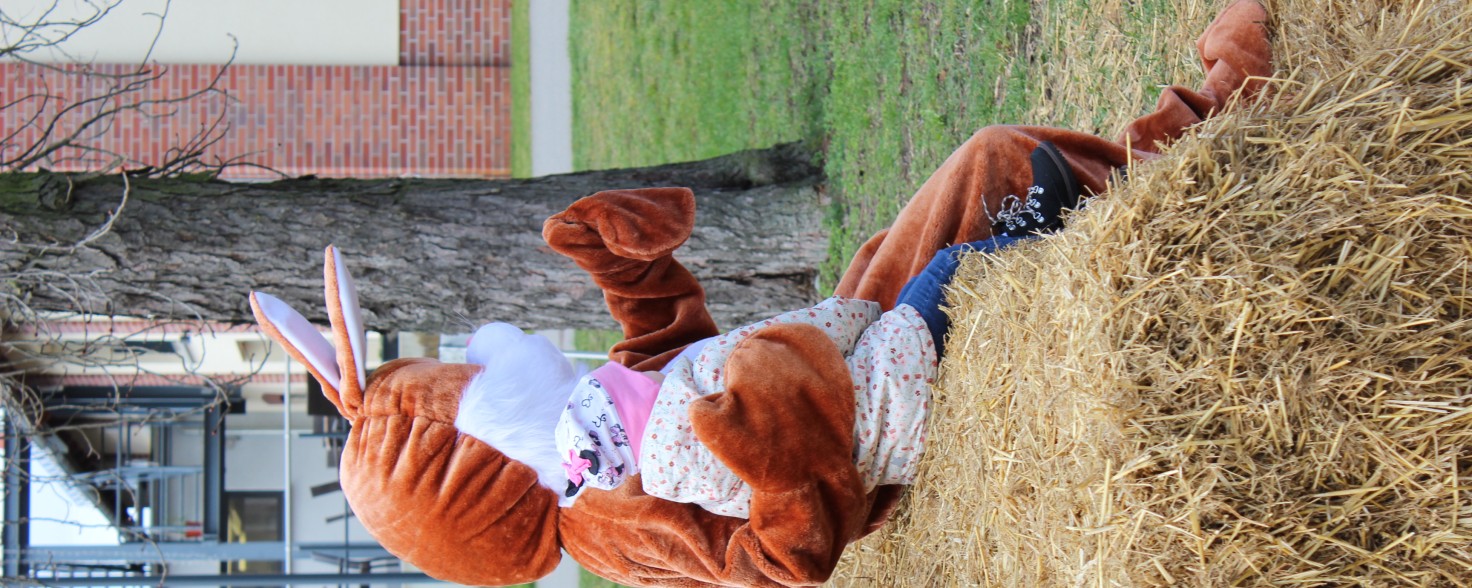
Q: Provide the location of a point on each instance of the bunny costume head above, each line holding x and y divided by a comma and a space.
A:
446, 463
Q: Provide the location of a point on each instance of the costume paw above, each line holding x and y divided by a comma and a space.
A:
787, 415
641, 224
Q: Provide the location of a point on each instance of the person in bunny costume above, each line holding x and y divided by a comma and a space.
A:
456, 469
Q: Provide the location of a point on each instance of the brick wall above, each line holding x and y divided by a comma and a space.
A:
444, 111
454, 32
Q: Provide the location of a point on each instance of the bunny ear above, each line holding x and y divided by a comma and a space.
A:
347, 328
300, 339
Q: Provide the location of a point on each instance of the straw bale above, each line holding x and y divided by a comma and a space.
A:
1248, 365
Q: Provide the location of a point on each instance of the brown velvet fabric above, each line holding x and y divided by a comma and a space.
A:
1233, 49
958, 202
450, 504
624, 240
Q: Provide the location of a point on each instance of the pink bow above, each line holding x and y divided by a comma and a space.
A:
575, 466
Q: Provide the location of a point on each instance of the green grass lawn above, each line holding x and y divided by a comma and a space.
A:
885, 89
521, 90
909, 82
656, 82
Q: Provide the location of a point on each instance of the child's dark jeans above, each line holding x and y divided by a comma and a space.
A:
926, 291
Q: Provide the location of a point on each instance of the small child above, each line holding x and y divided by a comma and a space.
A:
617, 422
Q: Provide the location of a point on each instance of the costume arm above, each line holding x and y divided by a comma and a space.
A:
785, 426
625, 239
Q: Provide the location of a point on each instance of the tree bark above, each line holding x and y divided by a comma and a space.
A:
429, 255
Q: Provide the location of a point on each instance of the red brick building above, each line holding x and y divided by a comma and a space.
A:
443, 110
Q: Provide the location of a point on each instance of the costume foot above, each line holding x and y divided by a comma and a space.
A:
1054, 189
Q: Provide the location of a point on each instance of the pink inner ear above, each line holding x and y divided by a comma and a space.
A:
301, 335
352, 316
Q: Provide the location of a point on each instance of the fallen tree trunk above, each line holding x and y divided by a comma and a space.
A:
434, 255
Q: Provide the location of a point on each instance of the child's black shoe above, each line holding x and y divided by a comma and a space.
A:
1054, 188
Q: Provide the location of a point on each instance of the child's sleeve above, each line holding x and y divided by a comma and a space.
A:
625, 239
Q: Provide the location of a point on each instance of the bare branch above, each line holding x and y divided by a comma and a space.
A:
31, 344
43, 32
62, 131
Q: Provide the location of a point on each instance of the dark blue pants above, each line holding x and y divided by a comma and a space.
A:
926, 291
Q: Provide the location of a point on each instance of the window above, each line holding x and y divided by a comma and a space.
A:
253, 516
142, 347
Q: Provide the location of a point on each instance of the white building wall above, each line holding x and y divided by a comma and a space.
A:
286, 32
253, 460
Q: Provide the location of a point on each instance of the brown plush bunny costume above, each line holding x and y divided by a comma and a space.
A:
460, 510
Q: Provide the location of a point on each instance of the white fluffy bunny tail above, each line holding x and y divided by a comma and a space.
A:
514, 403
